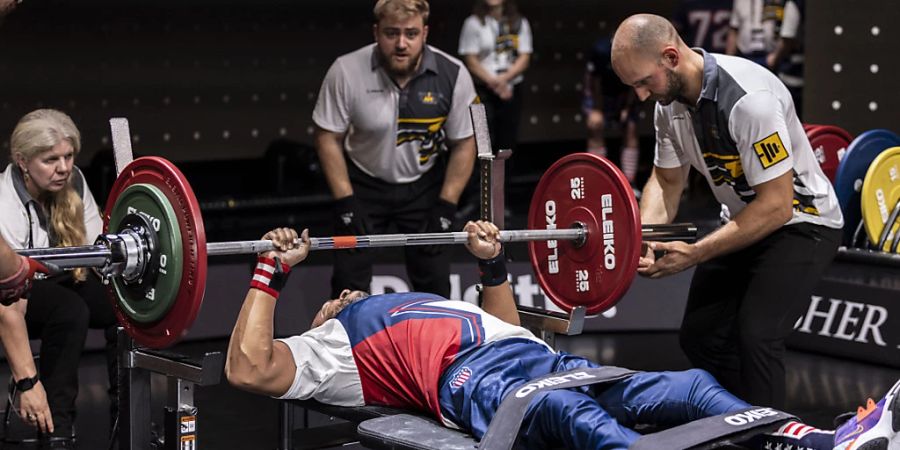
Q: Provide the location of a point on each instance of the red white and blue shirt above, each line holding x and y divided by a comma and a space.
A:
391, 350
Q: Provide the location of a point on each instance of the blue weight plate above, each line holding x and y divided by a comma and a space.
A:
852, 170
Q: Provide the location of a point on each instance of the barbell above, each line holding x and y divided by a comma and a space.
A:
154, 252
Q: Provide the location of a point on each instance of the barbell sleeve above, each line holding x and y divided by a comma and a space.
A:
71, 257
669, 232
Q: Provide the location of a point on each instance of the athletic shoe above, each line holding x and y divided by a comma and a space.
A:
874, 427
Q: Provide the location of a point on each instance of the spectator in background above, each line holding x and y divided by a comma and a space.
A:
496, 45
46, 203
609, 104
769, 33
786, 59
704, 23
755, 26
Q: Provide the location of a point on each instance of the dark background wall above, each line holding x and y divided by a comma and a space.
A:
226, 87
214, 80
852, 65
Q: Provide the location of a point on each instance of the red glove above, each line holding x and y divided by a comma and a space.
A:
17, 286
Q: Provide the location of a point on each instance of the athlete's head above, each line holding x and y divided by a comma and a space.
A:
646, 53
331, 308
401, 29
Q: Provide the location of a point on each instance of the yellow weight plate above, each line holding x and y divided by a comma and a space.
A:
880, 196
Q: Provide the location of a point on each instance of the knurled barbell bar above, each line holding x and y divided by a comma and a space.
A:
126, 254
154, 249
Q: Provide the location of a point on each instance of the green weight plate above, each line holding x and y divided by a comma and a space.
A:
150, 304
164, 176
880, 196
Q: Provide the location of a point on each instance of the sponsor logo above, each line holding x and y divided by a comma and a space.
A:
529, 388
154, 222
770, 150
845, 320
859, 429
609, 248
462, 375
427, 98
553, 257
751, 416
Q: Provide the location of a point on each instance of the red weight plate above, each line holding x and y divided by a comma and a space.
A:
163, 175
829, 143
807, 127
591, 190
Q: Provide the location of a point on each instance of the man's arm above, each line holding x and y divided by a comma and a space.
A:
255, 361
499, 302
770, 210
484, 244
459, 169
330, 148
662, 194
9, 260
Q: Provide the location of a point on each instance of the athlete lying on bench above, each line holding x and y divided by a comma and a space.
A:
455, 361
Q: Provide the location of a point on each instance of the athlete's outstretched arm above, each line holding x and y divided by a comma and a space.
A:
255, 361
484, 243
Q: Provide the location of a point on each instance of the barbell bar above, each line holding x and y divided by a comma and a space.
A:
584, 236
577, 234
101, 255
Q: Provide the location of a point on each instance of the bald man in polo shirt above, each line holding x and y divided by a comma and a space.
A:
734, 122
395, 141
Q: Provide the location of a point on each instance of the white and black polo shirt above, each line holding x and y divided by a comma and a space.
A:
23, 223
395, 134
744, 131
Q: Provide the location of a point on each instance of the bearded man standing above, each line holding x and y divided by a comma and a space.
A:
395, 141
734, 122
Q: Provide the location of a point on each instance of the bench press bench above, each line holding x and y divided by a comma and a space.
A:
393, 429
380, 427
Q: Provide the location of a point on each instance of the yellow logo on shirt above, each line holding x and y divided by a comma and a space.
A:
428, 98
770, 150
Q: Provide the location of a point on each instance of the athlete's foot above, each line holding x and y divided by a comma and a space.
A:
874, 427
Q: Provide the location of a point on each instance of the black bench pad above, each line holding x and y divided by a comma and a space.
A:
405, 431
354, 414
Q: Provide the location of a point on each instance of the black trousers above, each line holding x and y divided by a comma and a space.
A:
503, 116
406, 207
59, 314
742, 306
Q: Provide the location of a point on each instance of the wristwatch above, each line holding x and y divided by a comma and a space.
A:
25, 384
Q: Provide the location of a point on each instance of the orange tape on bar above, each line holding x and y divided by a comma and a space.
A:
344, 242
